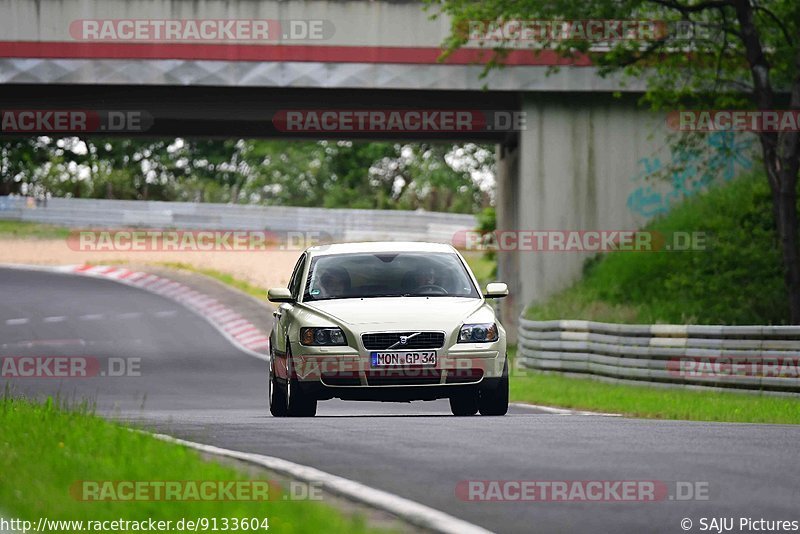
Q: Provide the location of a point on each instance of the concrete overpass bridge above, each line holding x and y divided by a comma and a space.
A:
581, 162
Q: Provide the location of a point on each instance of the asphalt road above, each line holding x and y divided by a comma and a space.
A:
193, 384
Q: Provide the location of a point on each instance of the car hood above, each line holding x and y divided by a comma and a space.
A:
403, 312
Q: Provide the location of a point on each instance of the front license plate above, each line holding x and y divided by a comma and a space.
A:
400, 358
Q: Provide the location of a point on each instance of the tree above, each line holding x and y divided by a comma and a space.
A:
739, 53
332, 174
19, 159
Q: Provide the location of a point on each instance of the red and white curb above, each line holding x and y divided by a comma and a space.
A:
239, 331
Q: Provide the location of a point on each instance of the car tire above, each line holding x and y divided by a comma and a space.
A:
494, 401
464, 403
298, 403
277, 395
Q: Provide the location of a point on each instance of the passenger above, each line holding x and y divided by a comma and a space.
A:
334, 283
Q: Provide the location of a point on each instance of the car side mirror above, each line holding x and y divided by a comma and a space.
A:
496, 290
279, 294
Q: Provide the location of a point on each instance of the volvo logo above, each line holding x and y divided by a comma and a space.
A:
404, 340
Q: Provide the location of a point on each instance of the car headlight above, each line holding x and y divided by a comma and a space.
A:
322, 336
478, 333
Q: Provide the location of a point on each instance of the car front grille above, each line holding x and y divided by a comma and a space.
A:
385, 340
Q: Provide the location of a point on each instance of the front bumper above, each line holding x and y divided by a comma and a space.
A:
343, 372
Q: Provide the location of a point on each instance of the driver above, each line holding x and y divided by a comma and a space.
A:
426, 276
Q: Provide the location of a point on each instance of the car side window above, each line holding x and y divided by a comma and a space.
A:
297, 276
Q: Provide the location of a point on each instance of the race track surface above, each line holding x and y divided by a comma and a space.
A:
195, 385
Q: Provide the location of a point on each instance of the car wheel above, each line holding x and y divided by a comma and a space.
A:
298, 403
277, 395
464, 402
494, 401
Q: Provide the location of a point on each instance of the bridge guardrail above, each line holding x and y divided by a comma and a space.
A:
740, 357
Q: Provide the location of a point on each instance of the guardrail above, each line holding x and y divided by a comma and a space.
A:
338, 224
742, 357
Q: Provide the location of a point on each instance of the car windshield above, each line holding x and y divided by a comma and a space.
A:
388, 274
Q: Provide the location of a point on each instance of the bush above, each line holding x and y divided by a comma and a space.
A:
737, 279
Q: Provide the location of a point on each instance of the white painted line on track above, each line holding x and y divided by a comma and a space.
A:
413, 512
54, 319
561, 411
20, 320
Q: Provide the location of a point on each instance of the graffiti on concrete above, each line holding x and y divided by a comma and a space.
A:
689, 172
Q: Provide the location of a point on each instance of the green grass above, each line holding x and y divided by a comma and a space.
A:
737, 280
35, 230
45, 449
482, 267
246, 287
656, 403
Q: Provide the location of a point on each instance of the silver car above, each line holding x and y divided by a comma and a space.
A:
386, 322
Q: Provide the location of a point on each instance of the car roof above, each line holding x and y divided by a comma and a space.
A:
378, 246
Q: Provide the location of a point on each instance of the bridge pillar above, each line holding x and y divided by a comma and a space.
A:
508, 206
580, 157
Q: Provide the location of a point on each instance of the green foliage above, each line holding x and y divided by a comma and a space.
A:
713, 75
343, 174
737, 279
703, 64
487, 222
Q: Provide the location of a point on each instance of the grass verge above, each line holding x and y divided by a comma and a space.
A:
482, 267
650, 402
17, 229
246, 287
46, 449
